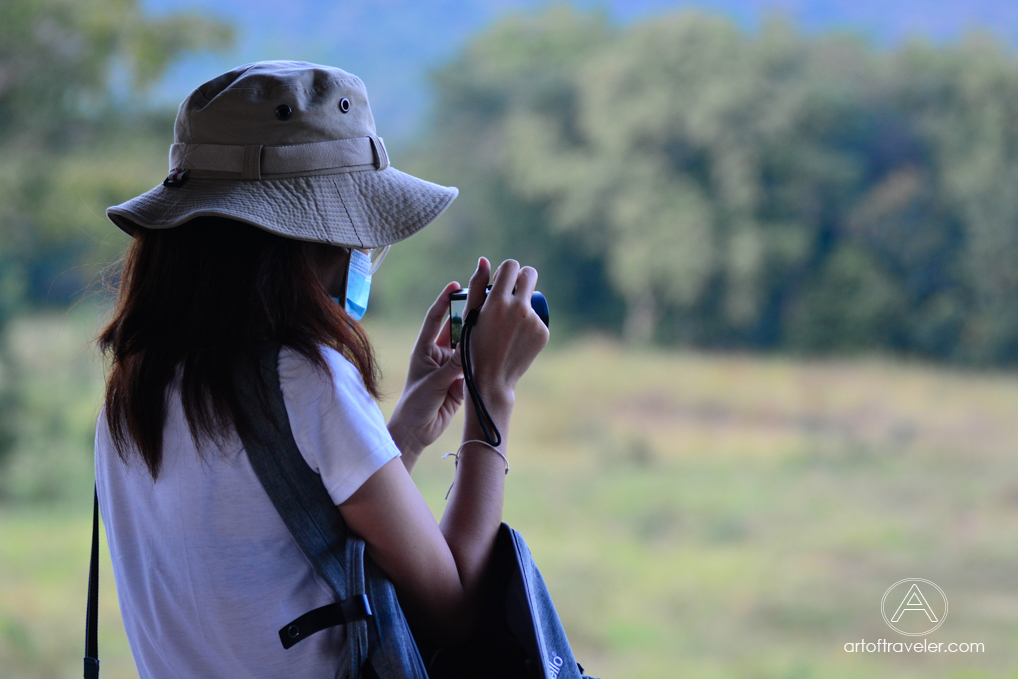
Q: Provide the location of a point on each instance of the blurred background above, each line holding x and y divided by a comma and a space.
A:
780, 244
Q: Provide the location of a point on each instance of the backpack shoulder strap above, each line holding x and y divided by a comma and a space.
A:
298, 494
366, 597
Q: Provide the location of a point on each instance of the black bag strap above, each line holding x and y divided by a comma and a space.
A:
92, 611
354, 608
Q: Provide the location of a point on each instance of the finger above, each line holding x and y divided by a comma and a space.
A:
505, 279
442, 378
433, 320
442, 354
526, 282
445, 334
478, 283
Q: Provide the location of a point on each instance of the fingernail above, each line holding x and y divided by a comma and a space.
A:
456, 359
479, 260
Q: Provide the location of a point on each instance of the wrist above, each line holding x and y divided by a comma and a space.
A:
502, 397
406, 442
499, 404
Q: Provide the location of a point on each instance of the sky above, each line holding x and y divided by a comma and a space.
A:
392, 44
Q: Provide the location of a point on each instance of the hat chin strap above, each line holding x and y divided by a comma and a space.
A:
254, 161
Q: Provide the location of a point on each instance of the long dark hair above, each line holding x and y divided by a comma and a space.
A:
204, 297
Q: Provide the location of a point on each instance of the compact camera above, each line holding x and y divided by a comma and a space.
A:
458, 308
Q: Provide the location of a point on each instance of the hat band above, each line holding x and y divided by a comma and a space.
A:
254, 161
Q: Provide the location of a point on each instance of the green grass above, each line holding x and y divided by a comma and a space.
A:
694, 514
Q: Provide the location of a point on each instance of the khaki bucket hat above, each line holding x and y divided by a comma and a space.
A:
289, 147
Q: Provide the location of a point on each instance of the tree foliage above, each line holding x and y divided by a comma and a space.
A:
765, 189
75, 137
73, 78
62, 61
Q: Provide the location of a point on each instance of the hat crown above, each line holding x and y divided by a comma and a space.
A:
239, 107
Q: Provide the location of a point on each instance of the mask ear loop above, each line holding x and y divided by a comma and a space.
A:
378, 262
468, 377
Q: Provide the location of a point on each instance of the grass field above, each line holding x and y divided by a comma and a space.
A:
694, 514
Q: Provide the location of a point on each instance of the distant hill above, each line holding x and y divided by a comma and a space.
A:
391, 44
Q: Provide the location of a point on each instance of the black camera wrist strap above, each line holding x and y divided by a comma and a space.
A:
468, 377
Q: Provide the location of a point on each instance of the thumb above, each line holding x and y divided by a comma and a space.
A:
455, 362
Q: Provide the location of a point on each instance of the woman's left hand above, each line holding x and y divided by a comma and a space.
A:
434, 385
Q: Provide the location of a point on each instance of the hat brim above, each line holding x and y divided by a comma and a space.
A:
368, 208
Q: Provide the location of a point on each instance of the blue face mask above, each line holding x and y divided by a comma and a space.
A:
358, 284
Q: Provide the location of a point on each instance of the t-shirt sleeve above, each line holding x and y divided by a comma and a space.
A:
337, 425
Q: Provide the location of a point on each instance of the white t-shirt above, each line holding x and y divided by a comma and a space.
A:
206, 571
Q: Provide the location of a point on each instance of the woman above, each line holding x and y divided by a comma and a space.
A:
279, 196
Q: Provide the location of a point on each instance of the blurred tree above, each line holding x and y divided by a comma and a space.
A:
851, 304
965, 101
714, 164
73, 121
63, 63
760, 190
525, 62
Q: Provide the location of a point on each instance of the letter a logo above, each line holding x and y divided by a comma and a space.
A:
914, 601
923, 607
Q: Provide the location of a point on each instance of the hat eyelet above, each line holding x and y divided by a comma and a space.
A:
283, 112
344, 104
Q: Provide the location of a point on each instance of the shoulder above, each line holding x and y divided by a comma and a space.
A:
295, 370
334, 394
338, 427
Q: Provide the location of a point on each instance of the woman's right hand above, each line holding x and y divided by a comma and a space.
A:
509, 334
